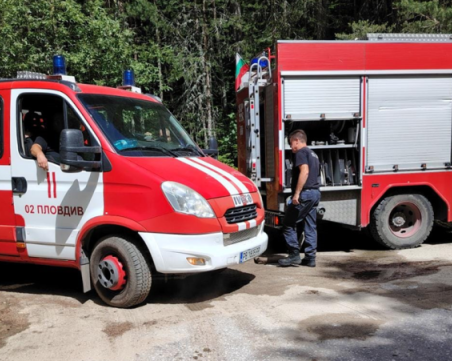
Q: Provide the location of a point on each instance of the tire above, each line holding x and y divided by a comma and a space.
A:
135, 282
402, 221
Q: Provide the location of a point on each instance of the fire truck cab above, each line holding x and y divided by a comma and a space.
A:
127, 193
377, 112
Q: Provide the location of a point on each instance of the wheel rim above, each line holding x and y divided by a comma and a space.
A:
111, 274
405, 220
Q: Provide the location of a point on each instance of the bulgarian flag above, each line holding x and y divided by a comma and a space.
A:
241, 69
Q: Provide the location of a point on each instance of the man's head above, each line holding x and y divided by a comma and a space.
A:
297, 140
32, 124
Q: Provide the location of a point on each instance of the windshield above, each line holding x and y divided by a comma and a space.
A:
138, 127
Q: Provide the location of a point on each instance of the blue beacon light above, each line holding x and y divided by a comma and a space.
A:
128, 78
263, 63
59, 65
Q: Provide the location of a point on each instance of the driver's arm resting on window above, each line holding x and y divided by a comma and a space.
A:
37, 151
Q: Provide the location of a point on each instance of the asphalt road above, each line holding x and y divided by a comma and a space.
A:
359, 303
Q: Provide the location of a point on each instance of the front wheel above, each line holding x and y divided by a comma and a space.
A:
402, 221
119, 272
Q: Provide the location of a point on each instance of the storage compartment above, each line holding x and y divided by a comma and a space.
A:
326, 97
336, 143
340, 206
409, 123
337, 167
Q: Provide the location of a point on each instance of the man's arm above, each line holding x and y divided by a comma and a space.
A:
36, 151
302, 178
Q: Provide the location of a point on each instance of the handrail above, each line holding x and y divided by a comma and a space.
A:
259, 67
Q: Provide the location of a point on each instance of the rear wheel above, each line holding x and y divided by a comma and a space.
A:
119, 272
402, 221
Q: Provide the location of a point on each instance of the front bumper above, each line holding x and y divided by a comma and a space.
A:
170, 251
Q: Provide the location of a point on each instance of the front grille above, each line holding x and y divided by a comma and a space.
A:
240, 236
241, 214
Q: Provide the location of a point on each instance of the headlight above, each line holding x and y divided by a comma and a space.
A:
186, 200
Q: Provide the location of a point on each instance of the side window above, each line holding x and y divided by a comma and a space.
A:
41, 120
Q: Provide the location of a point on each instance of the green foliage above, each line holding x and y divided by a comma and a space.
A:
360, 30
425, 16
94, 44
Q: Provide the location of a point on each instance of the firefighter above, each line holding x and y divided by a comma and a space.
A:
45, 147
303, 203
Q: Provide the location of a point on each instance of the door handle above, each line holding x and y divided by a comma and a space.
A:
19, 185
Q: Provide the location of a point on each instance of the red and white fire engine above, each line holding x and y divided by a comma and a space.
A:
127, 194
377, 112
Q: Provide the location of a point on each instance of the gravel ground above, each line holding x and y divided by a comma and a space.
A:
359, 303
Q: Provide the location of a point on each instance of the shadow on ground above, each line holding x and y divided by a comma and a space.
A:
198, 288
42, 280
331, 238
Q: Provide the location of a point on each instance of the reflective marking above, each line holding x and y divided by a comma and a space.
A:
54, 185
224, 182
49, 192
233, 179
242, 226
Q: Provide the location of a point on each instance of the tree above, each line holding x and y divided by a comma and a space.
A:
424, 16
94, 44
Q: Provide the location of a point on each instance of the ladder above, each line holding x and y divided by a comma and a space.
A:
427, 38
256, 82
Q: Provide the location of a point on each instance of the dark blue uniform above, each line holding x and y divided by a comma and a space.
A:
306, 211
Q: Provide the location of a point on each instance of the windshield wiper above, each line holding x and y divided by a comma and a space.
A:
188, 148
149, 147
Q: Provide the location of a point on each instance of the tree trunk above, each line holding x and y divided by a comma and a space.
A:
159, 59
200, 98
207, 78
224, 100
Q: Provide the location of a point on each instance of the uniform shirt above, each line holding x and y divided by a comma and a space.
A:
46, 146
306, 156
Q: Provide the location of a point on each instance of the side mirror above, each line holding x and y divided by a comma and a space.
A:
71, 144
213, 148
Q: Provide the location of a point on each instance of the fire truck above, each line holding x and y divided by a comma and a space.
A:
377, 112
123, 193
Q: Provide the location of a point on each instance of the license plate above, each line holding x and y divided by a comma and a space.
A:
242, 199
249, 253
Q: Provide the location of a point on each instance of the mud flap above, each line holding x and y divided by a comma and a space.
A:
84, 269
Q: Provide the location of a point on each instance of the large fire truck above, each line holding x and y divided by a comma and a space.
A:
123, 195
377, 112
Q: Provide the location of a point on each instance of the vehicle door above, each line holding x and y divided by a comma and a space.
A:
55, 205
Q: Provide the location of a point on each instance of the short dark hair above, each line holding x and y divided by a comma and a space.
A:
300, 135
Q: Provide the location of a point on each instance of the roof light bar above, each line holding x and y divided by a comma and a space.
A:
30, 75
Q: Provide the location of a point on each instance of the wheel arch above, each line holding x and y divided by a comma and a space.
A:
101, 227
439, 204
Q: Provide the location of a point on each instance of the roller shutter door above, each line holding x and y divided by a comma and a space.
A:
308, 97
409, 122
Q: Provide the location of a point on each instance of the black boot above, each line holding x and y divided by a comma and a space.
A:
293, 259
309, 262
